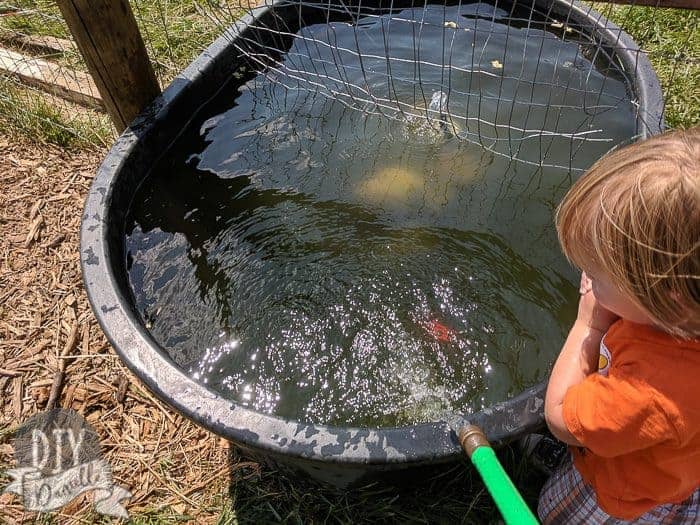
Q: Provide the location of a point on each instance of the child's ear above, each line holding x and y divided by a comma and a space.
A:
585, 286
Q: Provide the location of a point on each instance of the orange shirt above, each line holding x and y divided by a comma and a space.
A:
639, 420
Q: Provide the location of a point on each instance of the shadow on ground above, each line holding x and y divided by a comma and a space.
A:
261, 495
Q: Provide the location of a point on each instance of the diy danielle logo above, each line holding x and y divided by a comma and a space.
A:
58, 458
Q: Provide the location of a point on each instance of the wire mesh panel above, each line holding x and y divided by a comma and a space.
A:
509, 79
33, 38
443, 49
669, 37
45, 90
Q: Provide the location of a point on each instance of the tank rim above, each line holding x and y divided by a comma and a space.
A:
428, 442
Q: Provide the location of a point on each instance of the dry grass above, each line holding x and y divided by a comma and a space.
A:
171, 466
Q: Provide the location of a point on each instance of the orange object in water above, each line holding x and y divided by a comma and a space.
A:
439, 331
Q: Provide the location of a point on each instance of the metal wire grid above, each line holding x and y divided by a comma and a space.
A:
171, 49
222, 14
318, 65
42, 74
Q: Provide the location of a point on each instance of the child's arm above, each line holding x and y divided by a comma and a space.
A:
577, 359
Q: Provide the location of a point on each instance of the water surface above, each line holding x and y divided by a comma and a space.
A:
314, 247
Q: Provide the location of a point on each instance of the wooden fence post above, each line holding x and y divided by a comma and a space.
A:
111, 44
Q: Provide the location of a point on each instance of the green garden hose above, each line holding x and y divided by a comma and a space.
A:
507, 498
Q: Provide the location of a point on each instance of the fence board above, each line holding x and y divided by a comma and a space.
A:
38, 43
71, 85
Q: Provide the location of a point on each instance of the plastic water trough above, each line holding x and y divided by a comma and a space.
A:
342, 457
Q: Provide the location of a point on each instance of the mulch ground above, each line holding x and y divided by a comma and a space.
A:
176, 471
169, 464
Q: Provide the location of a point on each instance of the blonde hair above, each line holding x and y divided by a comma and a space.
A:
636, 215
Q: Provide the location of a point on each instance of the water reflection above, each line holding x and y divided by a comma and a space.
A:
340, 266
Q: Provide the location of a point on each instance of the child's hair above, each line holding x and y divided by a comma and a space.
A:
636, 216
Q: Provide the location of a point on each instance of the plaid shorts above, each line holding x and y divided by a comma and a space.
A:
567, 499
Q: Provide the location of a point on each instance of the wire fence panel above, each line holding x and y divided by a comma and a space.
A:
458, 70
508, 80
45, 90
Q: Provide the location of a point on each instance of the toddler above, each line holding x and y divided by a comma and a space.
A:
625, 390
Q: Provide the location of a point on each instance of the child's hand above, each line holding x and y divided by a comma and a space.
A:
578, 359
590, 311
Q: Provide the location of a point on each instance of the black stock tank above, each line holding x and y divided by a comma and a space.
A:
335, 227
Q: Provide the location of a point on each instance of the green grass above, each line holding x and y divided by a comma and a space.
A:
671, 39
43, 18
454, 496
34, 115
174, 31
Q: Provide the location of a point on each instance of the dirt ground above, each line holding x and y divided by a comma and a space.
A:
170, 465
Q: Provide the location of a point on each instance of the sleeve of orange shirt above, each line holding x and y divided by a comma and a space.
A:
616, 415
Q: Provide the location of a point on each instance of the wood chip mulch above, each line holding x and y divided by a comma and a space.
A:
46, 326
